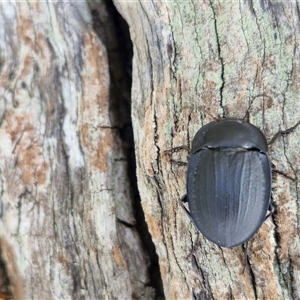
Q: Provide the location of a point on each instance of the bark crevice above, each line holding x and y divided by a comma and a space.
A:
220, 58
4, 278
113, 31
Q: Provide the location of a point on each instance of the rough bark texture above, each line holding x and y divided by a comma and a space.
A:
68, 227
67, 224
193, 57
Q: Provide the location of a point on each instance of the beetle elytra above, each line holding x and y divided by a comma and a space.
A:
229, 181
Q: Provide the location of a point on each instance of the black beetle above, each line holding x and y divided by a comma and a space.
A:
229, 181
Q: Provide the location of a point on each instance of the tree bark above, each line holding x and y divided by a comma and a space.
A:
198, 59
69, 227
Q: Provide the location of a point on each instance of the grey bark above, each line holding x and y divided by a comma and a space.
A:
67, 223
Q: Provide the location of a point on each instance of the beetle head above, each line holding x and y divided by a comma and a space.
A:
229, 133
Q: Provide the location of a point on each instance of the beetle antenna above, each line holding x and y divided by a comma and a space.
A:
246, 117
205, 111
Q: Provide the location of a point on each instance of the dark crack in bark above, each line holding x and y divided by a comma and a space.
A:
114, 33
220, 58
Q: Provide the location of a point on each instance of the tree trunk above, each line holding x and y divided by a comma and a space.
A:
197, 59
68, 226
70, 223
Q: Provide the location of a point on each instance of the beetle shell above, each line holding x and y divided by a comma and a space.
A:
230, 133
229, 181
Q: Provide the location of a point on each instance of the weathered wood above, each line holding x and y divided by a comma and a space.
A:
196, 56
67, 224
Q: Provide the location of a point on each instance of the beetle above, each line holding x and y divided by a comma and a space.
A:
229, 181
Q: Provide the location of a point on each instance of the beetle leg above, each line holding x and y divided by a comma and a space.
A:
197, 242
179, 163
246, 248
283, 174
176, 149
182, 201
283, 132
271, 210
